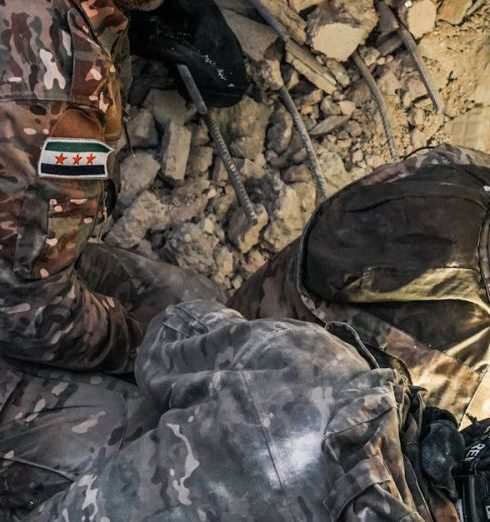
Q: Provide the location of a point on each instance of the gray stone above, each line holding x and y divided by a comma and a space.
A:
137, 173
329, 107
297, 174
166, 106
200, 161
419, 16
280, 132
305, 63
255, 39
338, 27
471, 129
347, 107
286, 217
453, 11
245, 124
176, 146
225, 262
329, 124
334, 170
132, 227
241, 233
142, 130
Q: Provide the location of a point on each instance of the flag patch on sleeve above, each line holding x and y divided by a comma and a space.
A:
69, 158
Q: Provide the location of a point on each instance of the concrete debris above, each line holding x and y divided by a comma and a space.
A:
328, 125
289, 18
255, 38
481, 63
132, 227
301, 5
338, 27
286, 218
306, 64
166, 106
347, 107
243, 235
419, 16
175, 149
177, 203
280, 132
245, 125
471, 129
142, 130
200, 161
453, 11
137, 173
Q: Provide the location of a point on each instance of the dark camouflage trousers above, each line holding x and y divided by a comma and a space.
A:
55, 424
246, 410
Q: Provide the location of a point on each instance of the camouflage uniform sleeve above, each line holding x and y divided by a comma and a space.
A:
54, 84
47, 314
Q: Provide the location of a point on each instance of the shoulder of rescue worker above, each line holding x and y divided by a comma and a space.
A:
57, 49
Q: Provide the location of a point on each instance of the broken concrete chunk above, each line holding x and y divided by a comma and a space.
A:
306, 192
137, 173
471, 129
297, 174
413, 89
306, 64
241, 233
142, 130
328, 125
301, 5
347, 107
329, 107
200, 161
339, 71
338, 27
255, 261
176, 146
295, 25
225, 262
132, 227
254, 38
245, 125
190, 246
453, 11
166, 106
334, 170
286, 217
280, 132
249, 170
481, 64
419, 16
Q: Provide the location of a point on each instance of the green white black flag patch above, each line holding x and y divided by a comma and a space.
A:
69, 158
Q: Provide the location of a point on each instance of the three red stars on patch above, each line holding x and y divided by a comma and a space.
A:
60, 160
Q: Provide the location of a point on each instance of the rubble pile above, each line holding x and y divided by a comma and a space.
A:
177, 203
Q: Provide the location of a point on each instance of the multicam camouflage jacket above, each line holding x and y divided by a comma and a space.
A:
62, 64
264, 421
402, 255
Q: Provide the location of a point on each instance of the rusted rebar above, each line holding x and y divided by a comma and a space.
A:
411, 46
380, 103
315, 168
220, 143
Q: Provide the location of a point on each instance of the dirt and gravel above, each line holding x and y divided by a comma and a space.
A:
176, 202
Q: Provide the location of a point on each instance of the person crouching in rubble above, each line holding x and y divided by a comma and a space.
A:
64, 302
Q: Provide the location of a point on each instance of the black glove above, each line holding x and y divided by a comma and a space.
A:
193, 33
442, 449
474, 474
